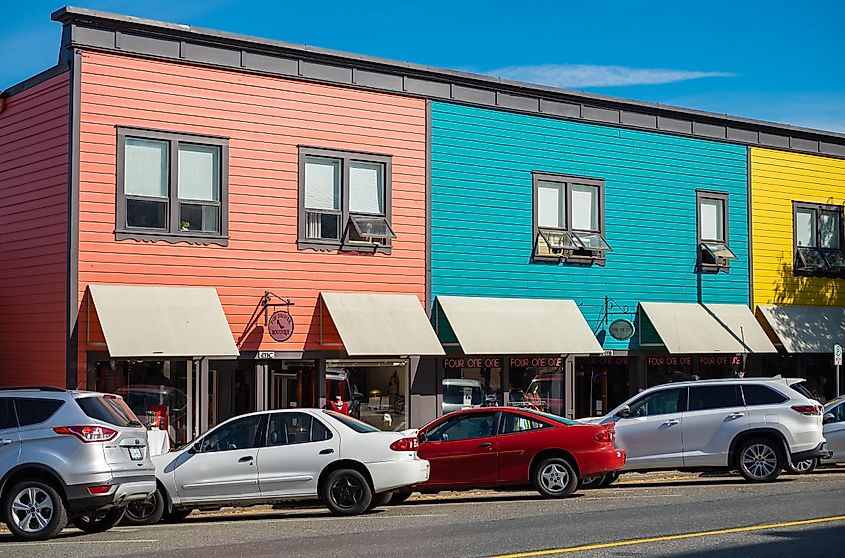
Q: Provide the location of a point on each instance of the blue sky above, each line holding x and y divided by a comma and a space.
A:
774, 60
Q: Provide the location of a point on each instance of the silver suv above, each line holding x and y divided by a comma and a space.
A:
754, 425
69, 456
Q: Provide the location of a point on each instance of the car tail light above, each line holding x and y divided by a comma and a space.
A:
405, 444
808, 409
100, 489
88, 433
606, 435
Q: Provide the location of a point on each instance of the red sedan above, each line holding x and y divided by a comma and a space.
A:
504, 446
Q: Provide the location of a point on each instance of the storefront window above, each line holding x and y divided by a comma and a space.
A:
471, 382
231, 389
663, 369
601, 383
155, 390
376, 391
538, 383
292, 384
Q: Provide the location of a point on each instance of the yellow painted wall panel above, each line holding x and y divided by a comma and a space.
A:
777, 179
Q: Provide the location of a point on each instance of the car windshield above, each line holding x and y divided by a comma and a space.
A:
562, 420
799, 387
462, 395
354, 424
110, 409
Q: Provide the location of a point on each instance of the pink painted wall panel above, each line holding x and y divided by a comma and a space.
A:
265, 119
33, 234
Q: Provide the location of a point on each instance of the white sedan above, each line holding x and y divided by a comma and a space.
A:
292, 454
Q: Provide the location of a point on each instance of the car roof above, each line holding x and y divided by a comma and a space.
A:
717, 381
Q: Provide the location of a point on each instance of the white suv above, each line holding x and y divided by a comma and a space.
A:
755, 425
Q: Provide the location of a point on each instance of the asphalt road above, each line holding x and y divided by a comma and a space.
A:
719, 517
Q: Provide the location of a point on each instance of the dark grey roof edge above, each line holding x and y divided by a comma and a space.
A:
71, 14
34, 80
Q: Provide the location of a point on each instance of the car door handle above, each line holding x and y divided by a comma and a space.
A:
245, 459
671, 422
485, 444
326, 451
736, 415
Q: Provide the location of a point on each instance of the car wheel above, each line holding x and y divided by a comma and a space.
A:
380, 500
34, 511
176, 515
803, 467
346, 492
98, 522
759, 460
555, 478
399, 497
145, 512
609, 479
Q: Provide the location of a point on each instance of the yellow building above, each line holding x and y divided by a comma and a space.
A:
798, 277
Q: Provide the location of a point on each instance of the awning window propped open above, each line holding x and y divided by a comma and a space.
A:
706, 328
516, 326
164, 322
381, 324
806, 329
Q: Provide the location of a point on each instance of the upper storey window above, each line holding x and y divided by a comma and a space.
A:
569, 219
172, 186
818, 238
344, 200
714, 253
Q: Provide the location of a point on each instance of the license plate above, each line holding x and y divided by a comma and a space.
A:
136, 454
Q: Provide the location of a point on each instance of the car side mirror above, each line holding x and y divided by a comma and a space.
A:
624, 412
421, 437
828, 418
195, 448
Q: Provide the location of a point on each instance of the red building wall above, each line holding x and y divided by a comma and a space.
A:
265, 119
33, 234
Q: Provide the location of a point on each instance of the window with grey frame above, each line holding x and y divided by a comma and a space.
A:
714, 253
818, 236
172, 186
569, 219
344, 200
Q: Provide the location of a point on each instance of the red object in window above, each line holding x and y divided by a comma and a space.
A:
341, 407
160, 411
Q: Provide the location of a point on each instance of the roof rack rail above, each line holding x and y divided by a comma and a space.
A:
36, 388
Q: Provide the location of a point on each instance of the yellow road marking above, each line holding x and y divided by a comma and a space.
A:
671, 537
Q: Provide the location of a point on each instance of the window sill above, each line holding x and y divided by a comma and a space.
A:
818, 273
200, 239
583, 261
713, 268
338, 247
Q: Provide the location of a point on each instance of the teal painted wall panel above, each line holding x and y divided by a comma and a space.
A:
482, 222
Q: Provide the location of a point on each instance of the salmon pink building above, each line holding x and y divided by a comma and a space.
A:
210, 241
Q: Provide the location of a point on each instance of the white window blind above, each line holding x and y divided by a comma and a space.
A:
551, 205
145, 168
712, 216
585, 207
199, 172
322, 183
805, 225
366, 187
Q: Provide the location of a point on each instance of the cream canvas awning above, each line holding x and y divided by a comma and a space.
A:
806, 329
165, 322
707, 328
515, 326
381, 324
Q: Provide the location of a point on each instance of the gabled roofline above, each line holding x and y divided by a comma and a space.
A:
92, 29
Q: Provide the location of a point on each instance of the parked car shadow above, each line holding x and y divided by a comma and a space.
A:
812, 541
66, 534
488, 498
696, 482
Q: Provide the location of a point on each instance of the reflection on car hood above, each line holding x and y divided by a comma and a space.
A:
592, 420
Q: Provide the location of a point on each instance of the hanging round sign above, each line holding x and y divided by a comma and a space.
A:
280, 325
621, 329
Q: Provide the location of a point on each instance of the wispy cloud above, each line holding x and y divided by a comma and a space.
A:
584, 75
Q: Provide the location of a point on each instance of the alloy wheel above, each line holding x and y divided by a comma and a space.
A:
347, 492
32, 509
554, 477
759, 460
803, 466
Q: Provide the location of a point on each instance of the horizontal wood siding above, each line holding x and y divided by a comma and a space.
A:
265, 119
33, 235
777, 179
481, 211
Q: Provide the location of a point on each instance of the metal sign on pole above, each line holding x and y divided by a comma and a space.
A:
837, 361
